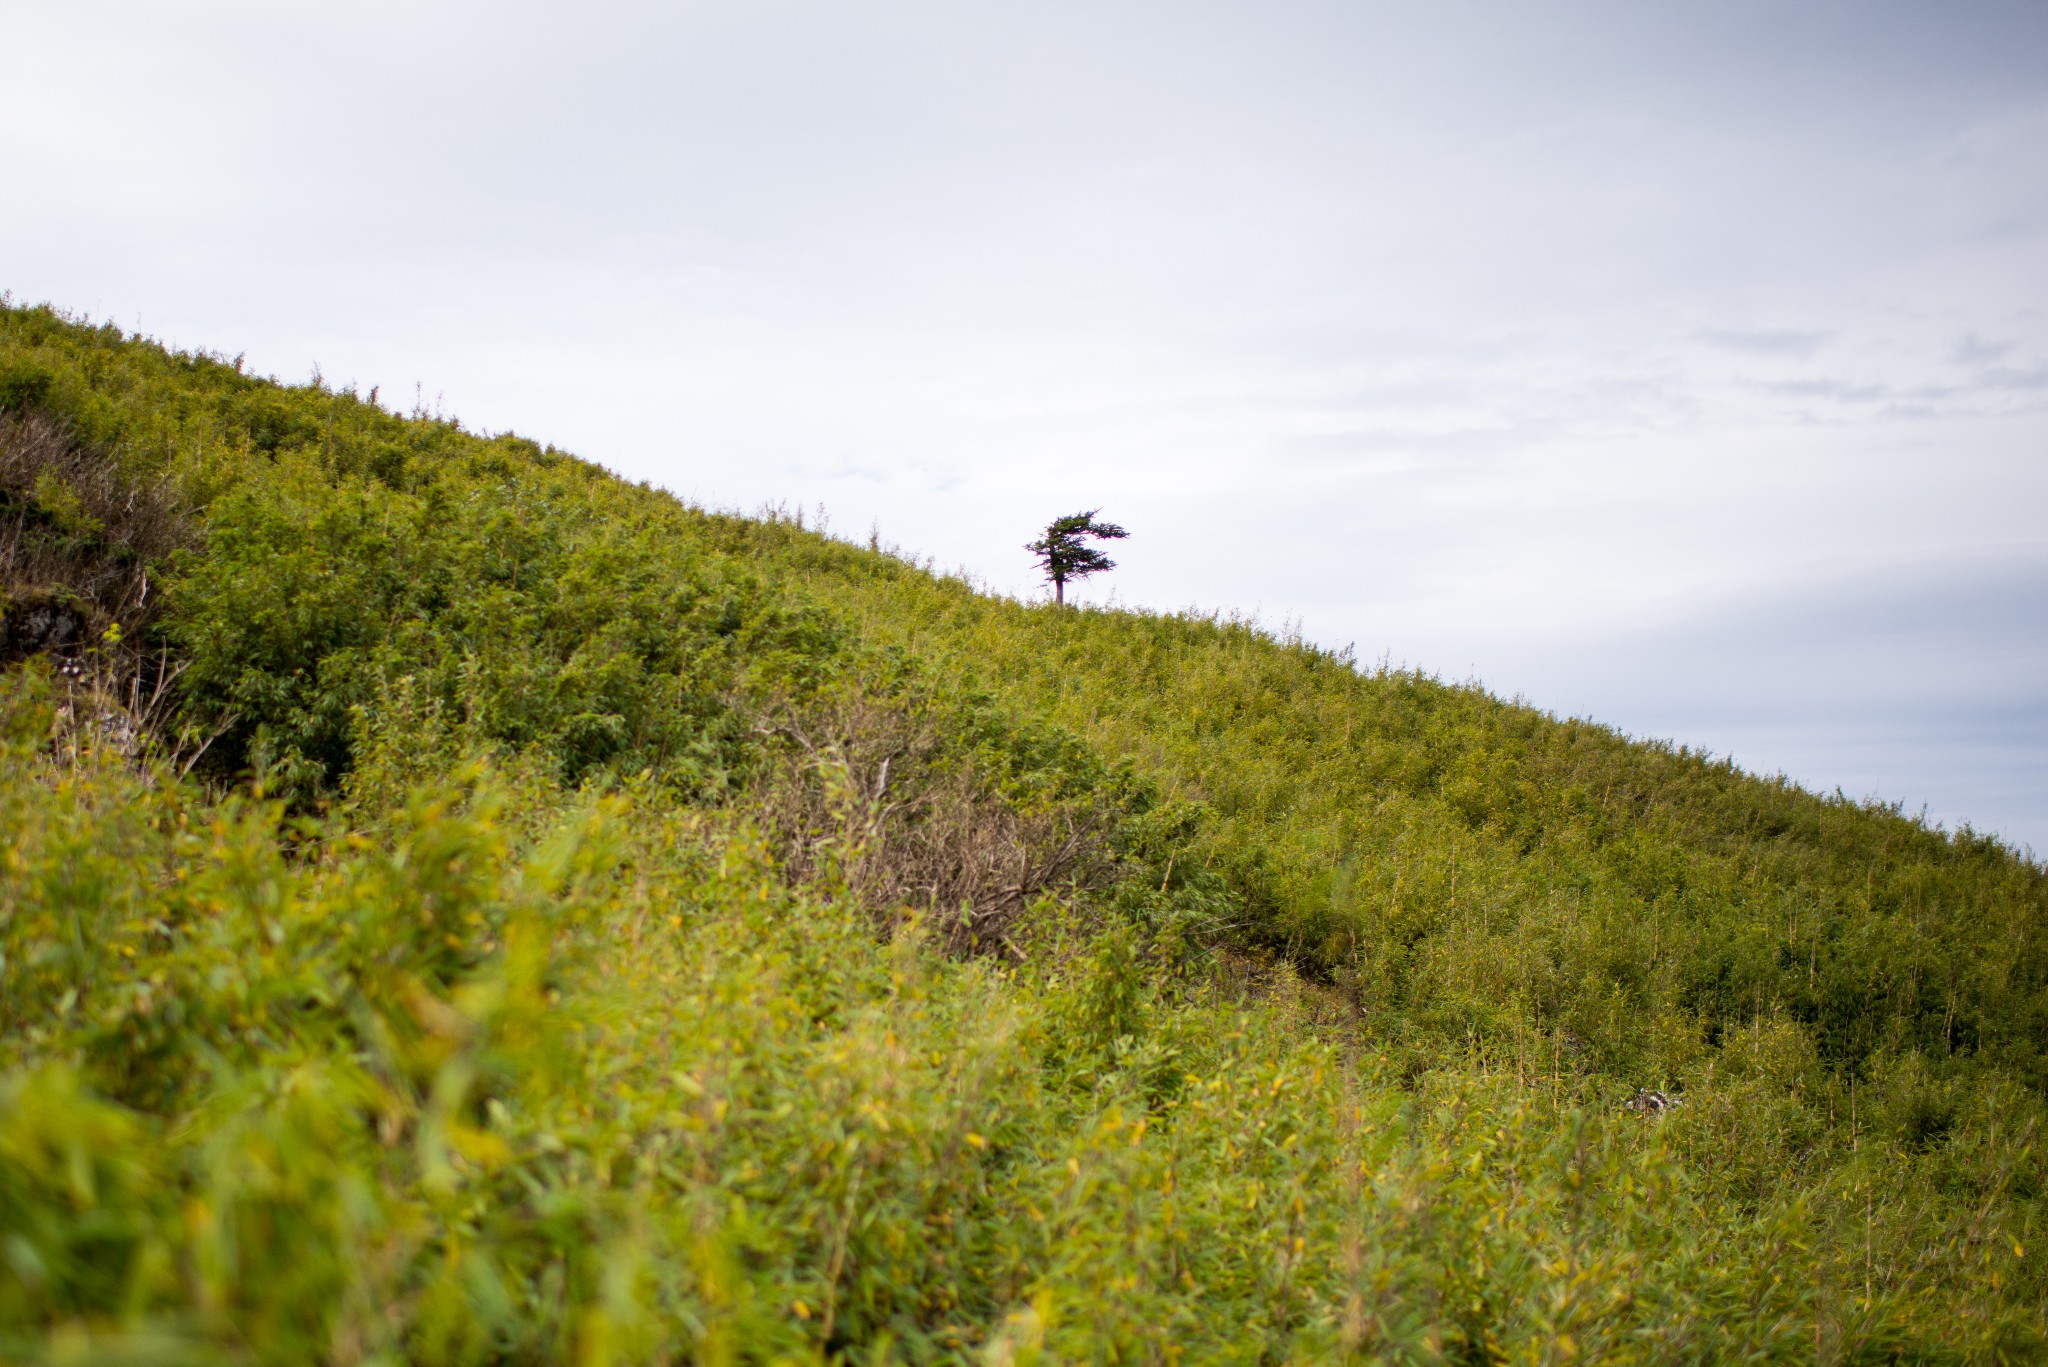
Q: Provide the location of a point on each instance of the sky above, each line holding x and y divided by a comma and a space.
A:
1682, 366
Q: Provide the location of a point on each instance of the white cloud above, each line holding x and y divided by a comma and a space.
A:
1529, 335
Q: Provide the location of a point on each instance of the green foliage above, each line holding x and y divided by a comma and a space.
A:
1465, 869
538, 610
609, 931
1064, 553
23, 387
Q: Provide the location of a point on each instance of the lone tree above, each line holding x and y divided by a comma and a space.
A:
1063, 555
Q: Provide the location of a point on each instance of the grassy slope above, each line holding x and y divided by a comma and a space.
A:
514, 1071
1468, 869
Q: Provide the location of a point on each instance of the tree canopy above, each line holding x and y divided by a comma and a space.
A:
1063, 552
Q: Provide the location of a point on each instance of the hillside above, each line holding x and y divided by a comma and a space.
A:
462, 906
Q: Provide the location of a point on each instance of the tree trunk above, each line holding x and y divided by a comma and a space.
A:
1059, 592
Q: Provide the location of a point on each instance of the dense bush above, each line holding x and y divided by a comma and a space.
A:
601, 929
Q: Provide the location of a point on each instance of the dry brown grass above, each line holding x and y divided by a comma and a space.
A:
864, 796
80, 539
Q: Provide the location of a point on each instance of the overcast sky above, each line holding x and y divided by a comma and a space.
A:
1680, 365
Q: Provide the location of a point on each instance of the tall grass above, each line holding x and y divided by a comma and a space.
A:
604, 930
